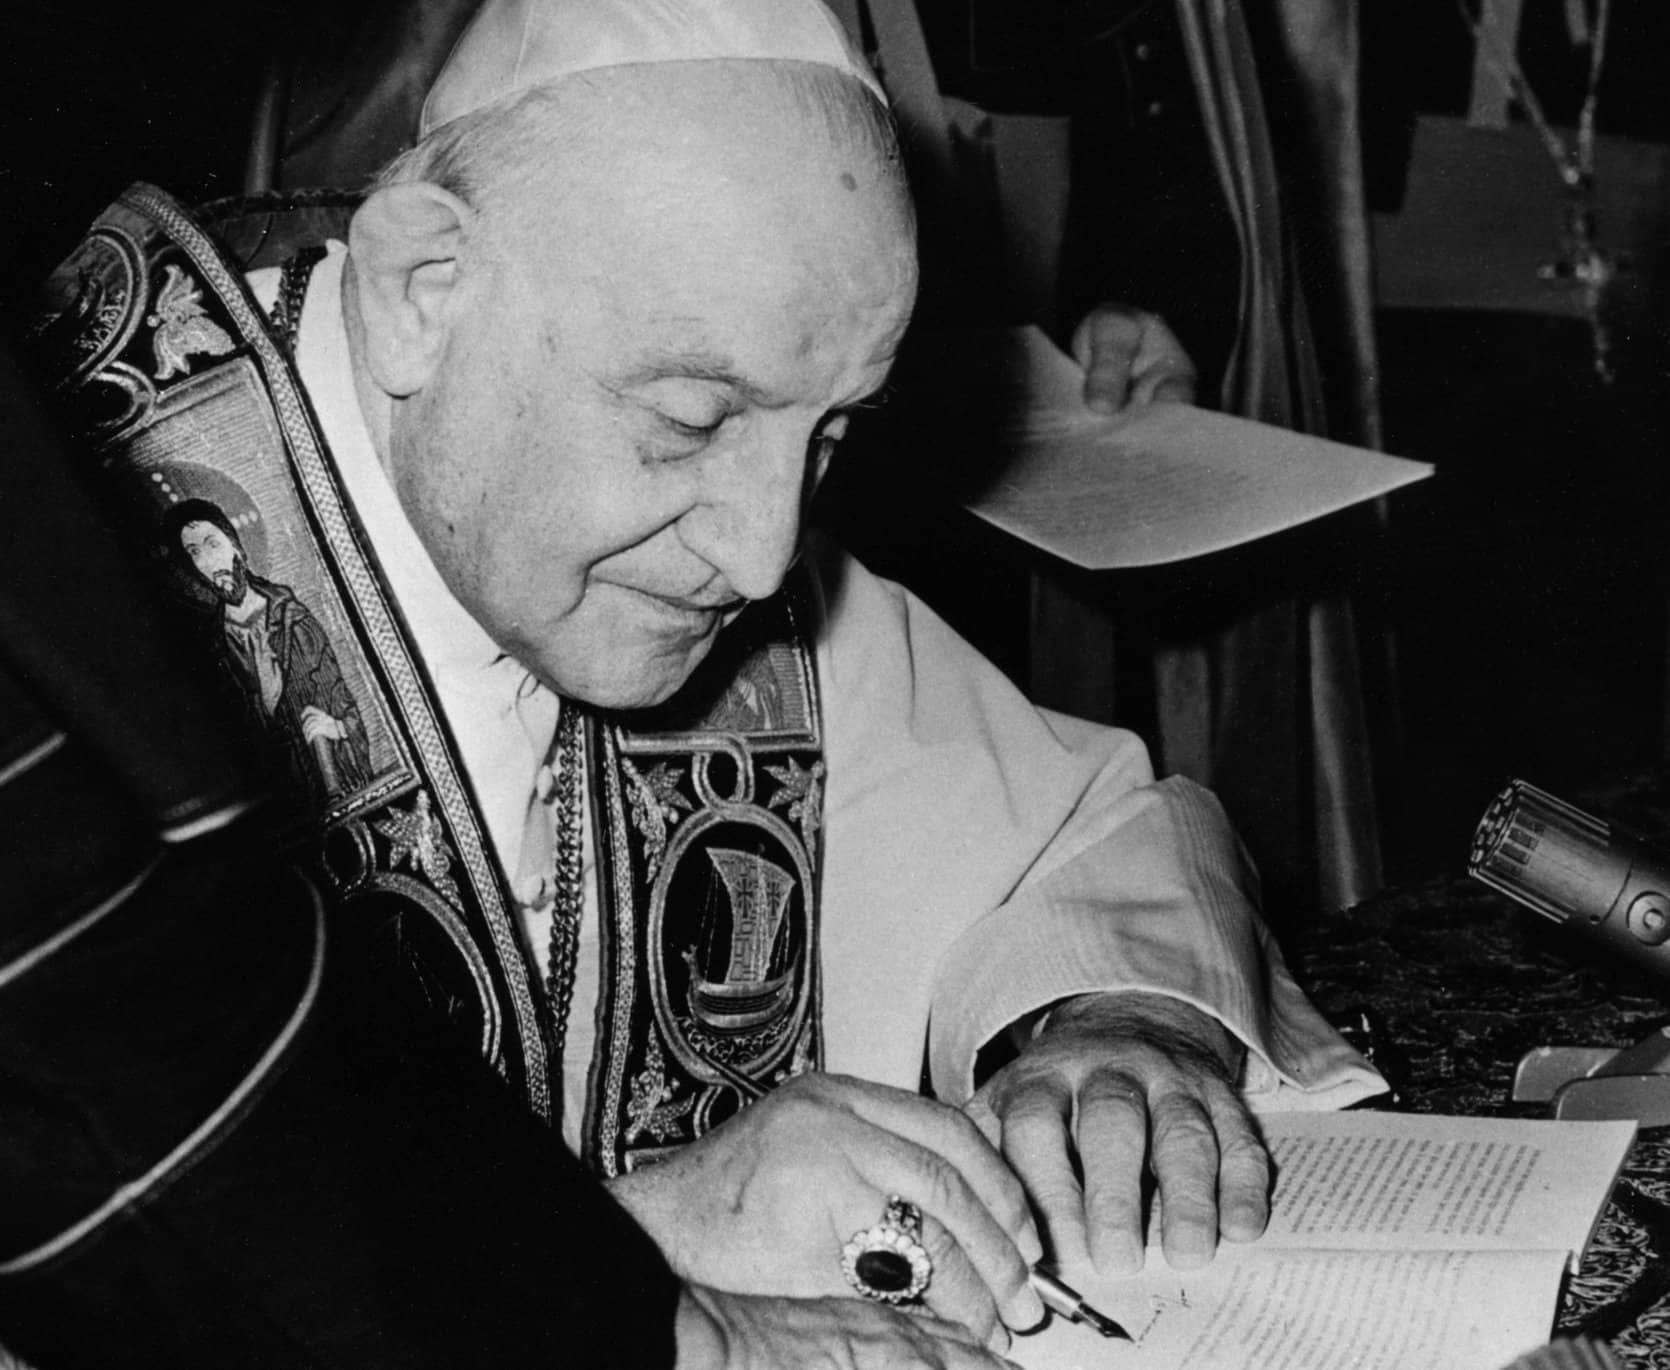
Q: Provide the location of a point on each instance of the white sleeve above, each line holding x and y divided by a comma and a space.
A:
1011, 857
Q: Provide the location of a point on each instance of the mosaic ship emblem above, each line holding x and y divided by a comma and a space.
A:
758, 985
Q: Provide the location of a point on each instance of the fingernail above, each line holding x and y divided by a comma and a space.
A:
1000, 1341
1121, 1255
1026, 1309
1189, 1252
1243, 1222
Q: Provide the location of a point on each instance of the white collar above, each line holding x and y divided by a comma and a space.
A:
501, 719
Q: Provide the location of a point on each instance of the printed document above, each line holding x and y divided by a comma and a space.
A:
1396, 1242
1155, 484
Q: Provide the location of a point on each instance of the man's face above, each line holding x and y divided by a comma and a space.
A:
217, 560
641, 390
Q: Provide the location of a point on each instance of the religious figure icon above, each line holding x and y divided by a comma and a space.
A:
274, 652
752, 701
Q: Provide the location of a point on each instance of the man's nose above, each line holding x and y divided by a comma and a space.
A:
747, 526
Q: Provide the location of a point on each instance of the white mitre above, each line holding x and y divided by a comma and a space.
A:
513, 45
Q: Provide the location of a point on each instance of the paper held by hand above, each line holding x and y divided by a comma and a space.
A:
1156, 484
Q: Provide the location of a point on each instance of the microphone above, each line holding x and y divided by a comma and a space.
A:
1574, 868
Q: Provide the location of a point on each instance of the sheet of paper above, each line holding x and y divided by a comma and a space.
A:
1408, 1181
1397, 1241
1158, 484
1317, 1310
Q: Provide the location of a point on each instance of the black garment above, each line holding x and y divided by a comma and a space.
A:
1146, 221
316, 1179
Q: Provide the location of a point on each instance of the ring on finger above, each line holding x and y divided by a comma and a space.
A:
888, 1262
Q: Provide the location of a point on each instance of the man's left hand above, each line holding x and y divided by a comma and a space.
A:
1126, 1083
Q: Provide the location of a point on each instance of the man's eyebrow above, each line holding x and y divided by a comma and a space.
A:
692, 365
704, 365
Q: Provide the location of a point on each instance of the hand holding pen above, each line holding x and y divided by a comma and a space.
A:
1069, 1303
889, 1264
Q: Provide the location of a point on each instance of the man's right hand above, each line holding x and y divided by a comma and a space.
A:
718, 1331
764, 1203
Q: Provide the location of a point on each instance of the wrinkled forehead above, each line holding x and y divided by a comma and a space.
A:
732, 212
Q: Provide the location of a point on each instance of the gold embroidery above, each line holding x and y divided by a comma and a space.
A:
651, 1108
183, 327
802, 792
416, 839
656, 804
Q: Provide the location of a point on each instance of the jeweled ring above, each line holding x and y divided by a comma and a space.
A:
888, 1261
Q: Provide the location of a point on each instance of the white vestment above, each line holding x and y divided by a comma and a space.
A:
983, 858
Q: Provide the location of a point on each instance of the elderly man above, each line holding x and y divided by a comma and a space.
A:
586, 354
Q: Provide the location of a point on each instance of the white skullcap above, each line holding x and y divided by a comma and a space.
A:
513, 45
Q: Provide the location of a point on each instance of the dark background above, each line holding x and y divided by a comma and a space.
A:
95, 96
1527, 586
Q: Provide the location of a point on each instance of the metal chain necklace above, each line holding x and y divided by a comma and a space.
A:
569, 896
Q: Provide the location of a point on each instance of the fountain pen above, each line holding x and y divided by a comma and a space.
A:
1067, 1301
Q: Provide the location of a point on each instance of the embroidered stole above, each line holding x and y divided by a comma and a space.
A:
707, 811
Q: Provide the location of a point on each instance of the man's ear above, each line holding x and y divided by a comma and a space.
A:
404, 243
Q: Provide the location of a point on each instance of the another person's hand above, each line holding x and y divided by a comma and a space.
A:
1129, 358
1125, 1083
764, 1203
719, 1331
